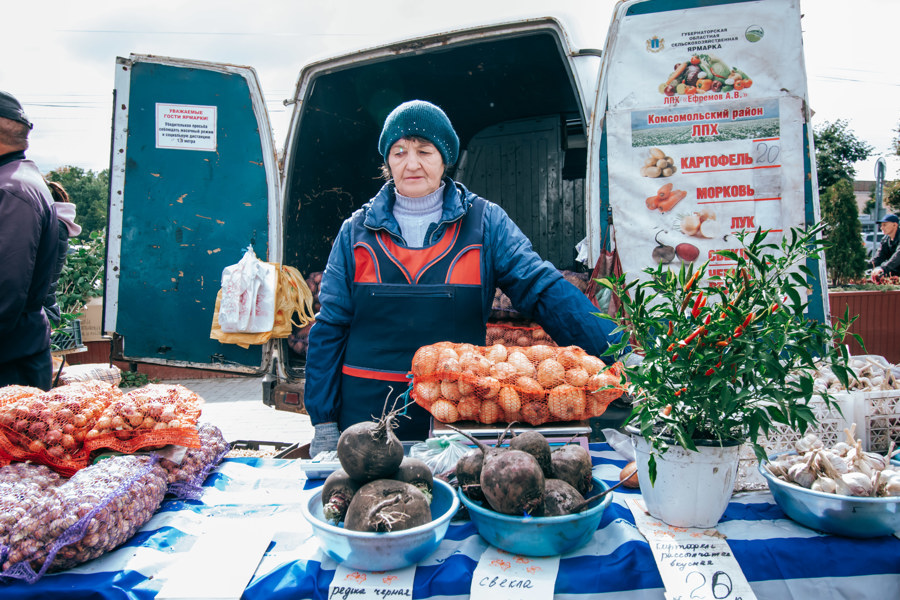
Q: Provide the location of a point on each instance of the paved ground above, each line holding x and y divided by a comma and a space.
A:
235, 406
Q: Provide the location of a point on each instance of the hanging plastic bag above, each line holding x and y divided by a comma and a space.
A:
248, 296
293, 308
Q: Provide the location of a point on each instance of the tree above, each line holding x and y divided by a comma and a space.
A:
895, 146
90, 192
82, 275
845, 255
837, 149
891, 196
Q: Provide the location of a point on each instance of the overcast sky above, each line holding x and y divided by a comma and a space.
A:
58, 56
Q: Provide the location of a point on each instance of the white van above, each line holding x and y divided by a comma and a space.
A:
556, 135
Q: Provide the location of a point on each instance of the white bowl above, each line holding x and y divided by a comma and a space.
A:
388, 550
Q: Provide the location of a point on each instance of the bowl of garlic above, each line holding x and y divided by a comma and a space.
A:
841, 490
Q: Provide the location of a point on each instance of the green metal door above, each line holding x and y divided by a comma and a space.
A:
193, 182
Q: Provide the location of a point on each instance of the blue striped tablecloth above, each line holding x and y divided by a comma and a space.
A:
781, 560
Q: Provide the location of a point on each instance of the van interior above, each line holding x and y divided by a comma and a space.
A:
514, 104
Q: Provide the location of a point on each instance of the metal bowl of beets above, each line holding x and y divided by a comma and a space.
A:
538, 536
383, 551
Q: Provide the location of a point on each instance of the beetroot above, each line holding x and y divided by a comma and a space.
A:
370, 450
511, 480
387, 505
560, 498
417, 473
535, 444
468, 474
337, 493
572, 464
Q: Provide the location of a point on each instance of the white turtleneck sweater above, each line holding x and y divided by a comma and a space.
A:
415, 215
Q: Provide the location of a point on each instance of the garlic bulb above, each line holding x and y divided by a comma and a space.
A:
808, 442
823, 484
889, 485
858, 484
802, 473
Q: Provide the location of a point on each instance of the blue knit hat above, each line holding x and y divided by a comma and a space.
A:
422, 119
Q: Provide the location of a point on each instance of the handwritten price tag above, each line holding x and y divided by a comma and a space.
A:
500, 574
362, 585
693, 563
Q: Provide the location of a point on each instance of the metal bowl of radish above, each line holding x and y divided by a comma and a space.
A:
383, 551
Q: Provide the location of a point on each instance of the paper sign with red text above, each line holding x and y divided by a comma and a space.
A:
500, 574
363, 585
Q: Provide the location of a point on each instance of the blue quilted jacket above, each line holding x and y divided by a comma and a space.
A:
508, 261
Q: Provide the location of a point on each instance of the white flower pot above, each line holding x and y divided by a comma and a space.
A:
692, 489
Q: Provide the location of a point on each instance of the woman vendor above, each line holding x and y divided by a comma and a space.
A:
418, 264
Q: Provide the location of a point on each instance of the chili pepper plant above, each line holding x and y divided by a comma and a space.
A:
727, 356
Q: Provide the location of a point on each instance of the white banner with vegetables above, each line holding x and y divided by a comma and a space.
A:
693, 56
684, 180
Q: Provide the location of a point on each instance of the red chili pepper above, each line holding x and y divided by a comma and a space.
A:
723, 343
671, 347
692, 280
691, 337
710, 372
671, 328
748, 319
774, 307
686, 300
674, 357
707, 319
668, 409
738, 331
698, 303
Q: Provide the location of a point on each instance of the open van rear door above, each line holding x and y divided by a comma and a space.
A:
193, 182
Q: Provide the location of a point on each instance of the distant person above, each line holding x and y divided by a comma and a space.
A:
887, 259
65, 212
29, 241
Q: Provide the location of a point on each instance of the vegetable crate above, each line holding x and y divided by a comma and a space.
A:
877, 419
66, 338
830, 425
829, 429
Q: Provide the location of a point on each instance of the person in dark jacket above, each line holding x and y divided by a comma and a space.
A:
887, 259
65, 212
29, 239
418, 264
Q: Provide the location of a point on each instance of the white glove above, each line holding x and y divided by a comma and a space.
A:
325, 439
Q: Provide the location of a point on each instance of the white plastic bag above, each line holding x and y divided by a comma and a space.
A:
248, 296
440, 454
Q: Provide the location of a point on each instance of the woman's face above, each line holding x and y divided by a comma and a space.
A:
416, 166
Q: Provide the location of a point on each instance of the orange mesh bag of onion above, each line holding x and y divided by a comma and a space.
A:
151, 416
50, 428
517, 335
498, 383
